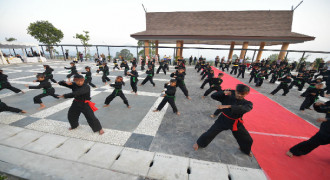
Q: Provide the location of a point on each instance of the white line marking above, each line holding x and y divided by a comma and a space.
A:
278, 135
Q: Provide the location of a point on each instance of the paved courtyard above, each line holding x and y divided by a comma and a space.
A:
137, 132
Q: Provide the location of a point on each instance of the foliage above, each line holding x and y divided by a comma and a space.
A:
235, 56
3, 177
46, 33
125, 53
84, 38
10, 39
152, 50
317, 62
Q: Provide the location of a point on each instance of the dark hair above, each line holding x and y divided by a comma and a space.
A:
220, 74
173, 81
46, 66
87, 67
40, 75
78, 76
72, 63
242, 88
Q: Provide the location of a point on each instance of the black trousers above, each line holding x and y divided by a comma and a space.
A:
241, 72
125, 71
216, 63
7, 85
234, 69
159, 68
199, 69
105, 78
279, 87
50, 92
274, 78
134, 85
242, 136
305, 147
142, 66
89, 82
114, 94
207, 92
76, 109
71, 74
171, 101
259, 82
4, 107
183, 88
205, 81
307, 103
51, 77
116, 66
203, 73
217, 112
252, 77
226, 67
148, 78
100, 69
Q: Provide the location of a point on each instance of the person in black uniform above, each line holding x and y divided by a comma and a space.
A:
143, 63
253, 73
149, 77
4, 107
81, 104
322, 137
48, 73
134, 62
215, 85
73, 70
179, 76
4, 84
124, 65
222, 64
134, 79
100, 65
233, 107
283, 85
210, 75
48, 90
161, 66
227, 65
88, 76
117, 92
241, 70
297, 81
106, 72
115, 63
169, 97
260, 78
234, 67
311, 96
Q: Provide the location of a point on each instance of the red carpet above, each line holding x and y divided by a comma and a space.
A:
275, 130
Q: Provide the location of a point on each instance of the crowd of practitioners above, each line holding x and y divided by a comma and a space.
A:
233, 103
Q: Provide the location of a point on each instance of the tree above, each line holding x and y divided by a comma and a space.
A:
317, 62
125, 53
152, 50
84, 38
46, 33
235, 56
10, 40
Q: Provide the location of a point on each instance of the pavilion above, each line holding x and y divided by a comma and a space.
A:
243, 28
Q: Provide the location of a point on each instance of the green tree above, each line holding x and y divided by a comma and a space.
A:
84, 38
46, 33
11, 39
317, 62
235, 56
152, 50
125, 53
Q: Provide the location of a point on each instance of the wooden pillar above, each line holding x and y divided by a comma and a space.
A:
179, 45
282, 54
156, 44
243, 52
231, 51
262, 45
146, 48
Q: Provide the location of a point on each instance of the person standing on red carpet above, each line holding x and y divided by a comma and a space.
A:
233, 107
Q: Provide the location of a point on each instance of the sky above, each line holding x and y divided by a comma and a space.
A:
112, 21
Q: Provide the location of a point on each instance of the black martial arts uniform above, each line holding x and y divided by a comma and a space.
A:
283, 85
241, 70
208, 79
234, 68
149, 78
169, 97
4, 84
88, 78
48, 74
215, 86
4, 107
124, 65
311, 96
227, 66
81, 104
100, 65
72, 72
161, 66
116, 92
143, 63
134, 80
105, 74
222, 65
260, 79
275, 75
115, 64
253, 74
180, 82
231, 118
48, 90
297, 81
322, 137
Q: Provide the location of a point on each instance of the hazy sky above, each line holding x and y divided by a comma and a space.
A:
112, 21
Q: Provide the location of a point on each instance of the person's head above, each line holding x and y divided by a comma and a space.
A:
46, 66
319, 80
172, 82
87, 68
220, 75
262, 71
104, 63
133, 68
79, 79
71, 63
288, 76
241, 91
300, 74
119, 79
180, 70
212, 72
40, 76
149, 67
319, 85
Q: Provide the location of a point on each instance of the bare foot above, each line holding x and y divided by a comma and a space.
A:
22, 92
132, 91
195, 146
251, 155
136, 94
128, 107
289, 154
155, 110
107, 105
188, 97
140, 84
203, 97
41, 106
178, 113
23, 111
101, 132
105, 83
212, 116
302, 111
